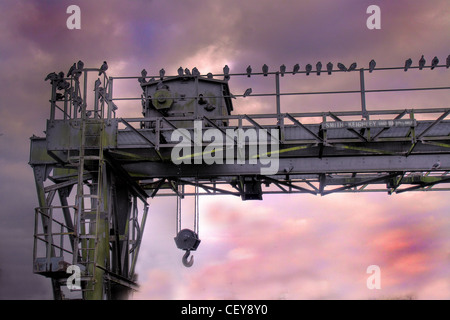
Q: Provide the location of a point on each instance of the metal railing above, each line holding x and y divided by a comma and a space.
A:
69, 96
360, 72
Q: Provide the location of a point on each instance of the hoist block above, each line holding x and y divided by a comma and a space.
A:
187, 240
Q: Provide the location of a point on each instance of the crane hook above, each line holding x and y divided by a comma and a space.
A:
187, 263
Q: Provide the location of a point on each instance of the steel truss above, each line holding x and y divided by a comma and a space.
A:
391, 151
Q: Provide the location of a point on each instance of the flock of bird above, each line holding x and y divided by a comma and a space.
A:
296, 69
76, 69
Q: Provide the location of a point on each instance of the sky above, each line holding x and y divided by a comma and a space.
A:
286, 246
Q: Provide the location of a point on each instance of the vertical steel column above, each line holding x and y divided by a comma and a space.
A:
196, 98
278, 100
110, 100
53, 103
363, 94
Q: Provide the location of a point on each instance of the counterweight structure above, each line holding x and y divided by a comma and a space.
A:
94, 172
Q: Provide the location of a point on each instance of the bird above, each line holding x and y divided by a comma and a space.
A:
195, 72
308, 69
80, 65
103, 68
352, 67
434, 63
421, 63
51, 76
143, 75
97, 84
180, 71
282, 70
72, 68
318, 67
209, 75
341, 67
437, 165
296, 69
102, 94
329, 67
162, 72
408, 64
62, 84
447, 65
226, 71
247, 92
187, 72
372, 65
249, 71
265, 70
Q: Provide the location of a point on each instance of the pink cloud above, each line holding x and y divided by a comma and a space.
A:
288, 250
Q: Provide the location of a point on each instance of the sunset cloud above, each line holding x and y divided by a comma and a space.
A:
286, 246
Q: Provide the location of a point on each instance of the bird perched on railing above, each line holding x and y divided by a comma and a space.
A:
329, 67
247, 92
372, 65
249, 71
97, 84
72, 68
195, 72
296, 69
352, 67
103, 68
434, 63
51, 76
421, 63
180, 71
265, 70
80, 65
318, 67
282, 70
226, 71
141, 79
408, 64
341, 67
308, 69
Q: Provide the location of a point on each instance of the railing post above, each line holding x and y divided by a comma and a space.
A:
363, 94
277, 85
110, 100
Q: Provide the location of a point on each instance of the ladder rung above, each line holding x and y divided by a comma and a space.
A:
90, 196
92, 158
88, 236
92, 211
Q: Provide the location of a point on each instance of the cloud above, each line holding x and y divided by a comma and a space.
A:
286, 247
317, 248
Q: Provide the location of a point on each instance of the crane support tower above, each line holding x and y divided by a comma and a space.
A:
94, 171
